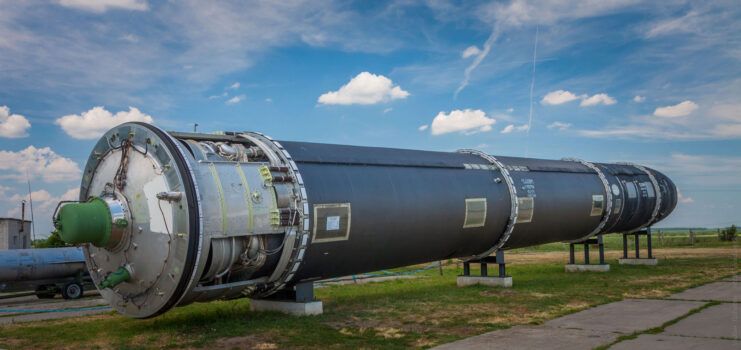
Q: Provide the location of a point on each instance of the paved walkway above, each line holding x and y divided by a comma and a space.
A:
712, 327
91, 299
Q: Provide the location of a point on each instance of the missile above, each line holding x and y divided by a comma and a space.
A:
22, 265
171, 218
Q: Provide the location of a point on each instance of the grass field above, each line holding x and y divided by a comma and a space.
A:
396, 314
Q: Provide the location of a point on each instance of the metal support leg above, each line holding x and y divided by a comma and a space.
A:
625, 246
502, 266
466, 269
637, 240
571, 253
601, 250
586, 253
305, 292
484, 271
648, 240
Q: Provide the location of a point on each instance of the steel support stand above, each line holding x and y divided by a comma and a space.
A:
299, 301
650, 260
572, 266
502, 280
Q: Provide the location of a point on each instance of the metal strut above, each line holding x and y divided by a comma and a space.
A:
513, 201
608, 193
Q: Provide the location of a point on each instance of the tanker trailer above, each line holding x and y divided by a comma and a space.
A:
170, 218
47, 271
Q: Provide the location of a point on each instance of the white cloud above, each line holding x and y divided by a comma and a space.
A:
235, 99
561, 126
130, 38
470, 51
268, 100
517, 13
423, 127
683, 199
689, 23
234, 86
364, 89
100, 6
12, 125
387, 110
719, 121
562, 96
639, 99
95, 122
510, 110
42, 199
44, 204
559, 97
213, 97
679, 110
38, 163
511, 127
465, 121
597, 99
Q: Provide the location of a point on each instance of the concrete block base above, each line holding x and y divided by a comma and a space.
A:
641, 261
587, 268
492, 281
290, 307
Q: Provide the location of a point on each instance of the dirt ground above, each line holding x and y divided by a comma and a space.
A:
661, 253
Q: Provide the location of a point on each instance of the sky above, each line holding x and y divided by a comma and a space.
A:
656, 83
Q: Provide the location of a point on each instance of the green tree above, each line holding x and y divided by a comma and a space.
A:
54, 241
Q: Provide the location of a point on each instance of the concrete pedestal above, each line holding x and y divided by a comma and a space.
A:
290, 307
587, 268
640, 261
492, 281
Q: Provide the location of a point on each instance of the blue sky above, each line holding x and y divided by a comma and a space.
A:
656, 83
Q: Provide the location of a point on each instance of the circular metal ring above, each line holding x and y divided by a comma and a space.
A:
606, 185
513, 201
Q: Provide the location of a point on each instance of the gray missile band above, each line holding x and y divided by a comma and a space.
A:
296, 241
657, 190
513, 201
606, 184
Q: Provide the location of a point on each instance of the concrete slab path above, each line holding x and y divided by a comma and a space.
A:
719, 321
736, 278
718, 291
626, 316
670, 342
535, 337
714, 327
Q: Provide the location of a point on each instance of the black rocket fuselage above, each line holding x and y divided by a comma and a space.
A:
409, 207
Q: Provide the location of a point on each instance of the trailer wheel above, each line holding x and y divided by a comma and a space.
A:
72, 290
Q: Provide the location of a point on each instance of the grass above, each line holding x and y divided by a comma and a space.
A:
396, 314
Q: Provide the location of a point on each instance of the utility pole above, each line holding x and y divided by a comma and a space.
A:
30, 202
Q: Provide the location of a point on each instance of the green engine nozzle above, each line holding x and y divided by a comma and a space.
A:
85, 222
115, 278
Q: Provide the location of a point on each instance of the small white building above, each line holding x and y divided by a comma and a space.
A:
15, 233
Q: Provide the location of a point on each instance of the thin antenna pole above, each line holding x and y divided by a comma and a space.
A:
532, 87
30, 202
195, 127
